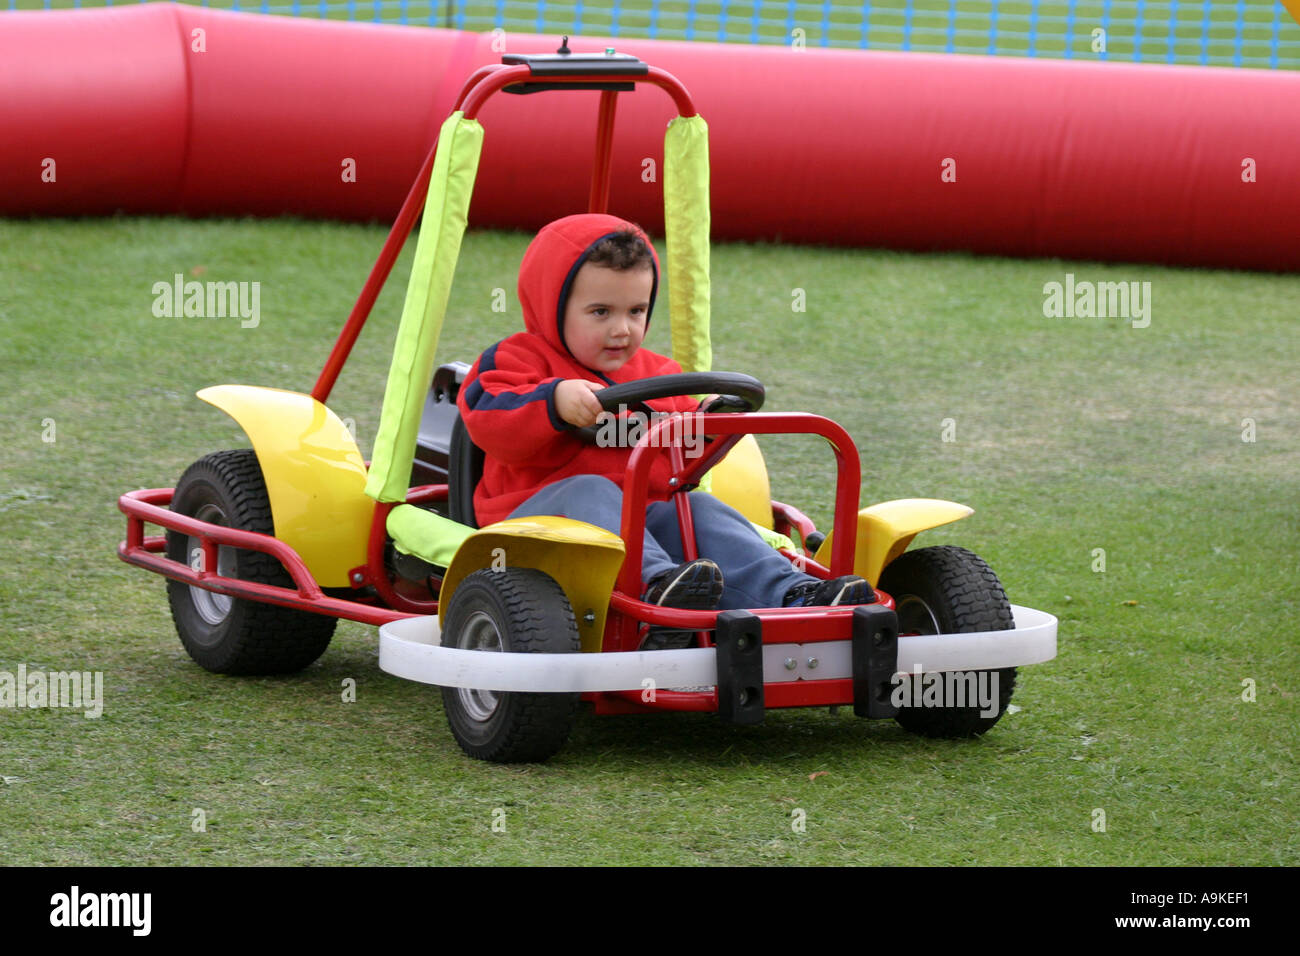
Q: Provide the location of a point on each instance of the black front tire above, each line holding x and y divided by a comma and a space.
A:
949, 590
230, 635
520, 610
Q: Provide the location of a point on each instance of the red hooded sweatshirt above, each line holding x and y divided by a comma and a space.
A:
508, 397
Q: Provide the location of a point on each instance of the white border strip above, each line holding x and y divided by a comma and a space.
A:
411, 648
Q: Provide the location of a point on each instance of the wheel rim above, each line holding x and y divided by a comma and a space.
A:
915, 616
212, 607
480, 634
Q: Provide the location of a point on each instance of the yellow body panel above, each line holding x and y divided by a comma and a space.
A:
885, 530
740, 480
315, 476
583, 559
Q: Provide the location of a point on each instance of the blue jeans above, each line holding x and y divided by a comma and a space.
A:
753, 573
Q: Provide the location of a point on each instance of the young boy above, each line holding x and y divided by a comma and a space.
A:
587, 286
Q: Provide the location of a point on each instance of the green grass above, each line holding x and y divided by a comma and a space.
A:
1159, 32
1071, 435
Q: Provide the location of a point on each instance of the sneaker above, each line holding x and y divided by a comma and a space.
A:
849, 589
693, 586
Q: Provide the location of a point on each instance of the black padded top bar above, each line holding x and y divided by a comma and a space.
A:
613, 65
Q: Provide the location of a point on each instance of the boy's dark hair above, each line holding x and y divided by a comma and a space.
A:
621, 251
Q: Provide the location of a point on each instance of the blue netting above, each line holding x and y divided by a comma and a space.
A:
1258, 33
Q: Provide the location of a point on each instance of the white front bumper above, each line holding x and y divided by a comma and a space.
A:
411, 648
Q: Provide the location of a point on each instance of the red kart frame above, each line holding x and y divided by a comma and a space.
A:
390, 601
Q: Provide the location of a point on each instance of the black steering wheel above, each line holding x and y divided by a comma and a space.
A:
736, 391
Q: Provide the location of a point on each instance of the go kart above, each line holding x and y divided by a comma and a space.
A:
523, 620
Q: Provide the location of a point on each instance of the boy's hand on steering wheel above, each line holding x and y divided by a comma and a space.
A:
721, 403
576, 402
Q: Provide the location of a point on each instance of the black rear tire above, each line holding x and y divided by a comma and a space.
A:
519, 610
230, 635
949, 590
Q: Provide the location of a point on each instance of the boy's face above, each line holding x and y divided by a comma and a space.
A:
605, 317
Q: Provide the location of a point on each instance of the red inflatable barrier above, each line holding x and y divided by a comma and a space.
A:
167, 108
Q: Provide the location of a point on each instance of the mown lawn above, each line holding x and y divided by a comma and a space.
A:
1069, 435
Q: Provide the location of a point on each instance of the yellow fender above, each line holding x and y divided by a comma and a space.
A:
885, 530
583, 559
315, 476
740, 480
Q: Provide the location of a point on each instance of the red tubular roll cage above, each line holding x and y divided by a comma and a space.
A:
484, 82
